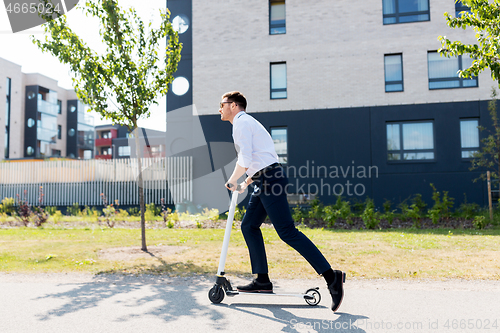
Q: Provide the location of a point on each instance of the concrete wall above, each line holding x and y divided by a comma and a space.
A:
334, 52
12, 71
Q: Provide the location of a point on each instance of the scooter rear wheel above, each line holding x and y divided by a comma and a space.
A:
216, 294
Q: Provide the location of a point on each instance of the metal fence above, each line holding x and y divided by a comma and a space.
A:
68, 182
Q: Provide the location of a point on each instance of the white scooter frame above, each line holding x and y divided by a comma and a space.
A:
223, 286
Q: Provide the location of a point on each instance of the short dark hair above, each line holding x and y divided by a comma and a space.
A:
237, 97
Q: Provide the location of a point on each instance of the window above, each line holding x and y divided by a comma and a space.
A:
7, 118
393, 66
279, 135
106, 151
460, 7
410, 141
278, 80
59, 106
403, 11
56, 152
106, 135
277, 17
443, 71
124, 151
469, 137
59, 132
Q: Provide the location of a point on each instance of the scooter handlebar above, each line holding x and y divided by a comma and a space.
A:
238, 187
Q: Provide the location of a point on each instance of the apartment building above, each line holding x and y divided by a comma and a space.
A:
41, 119
115, 141
354, 94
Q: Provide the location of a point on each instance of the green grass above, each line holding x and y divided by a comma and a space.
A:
407, 253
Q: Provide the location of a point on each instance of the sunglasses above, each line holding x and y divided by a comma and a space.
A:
222, 104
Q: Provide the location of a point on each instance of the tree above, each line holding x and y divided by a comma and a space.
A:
484, 19
130, 73
488, 156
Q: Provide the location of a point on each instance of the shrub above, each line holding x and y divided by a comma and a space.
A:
443, 205
330, 215
239, 213
468, 210
387, 206
74, 210
51, 210
388, 216
338, 202
199, 222
447, 204
154, 210
414, 213
167, 218
150, 213
369, 203
109, 211
7, 206
297, 213
89, 211
56, 216
40, 215
403, 207
358, 206
210, 214
164, 213
109, 215
3, 218
134, 211
480, 222
370, 218
345, 212
434, 215
316, 210
419, 203
24, 211
122, 214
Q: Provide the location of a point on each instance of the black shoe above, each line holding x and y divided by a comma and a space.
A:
337, 289
256, 287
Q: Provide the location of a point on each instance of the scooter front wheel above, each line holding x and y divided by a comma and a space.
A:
314, 297
216, 294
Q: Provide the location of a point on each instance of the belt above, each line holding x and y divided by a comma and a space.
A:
264, 170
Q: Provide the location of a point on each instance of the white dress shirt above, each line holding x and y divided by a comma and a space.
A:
253, 143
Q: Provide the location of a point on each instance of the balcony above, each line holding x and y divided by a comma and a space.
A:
46, 107
85, 118
103, 142
103, 157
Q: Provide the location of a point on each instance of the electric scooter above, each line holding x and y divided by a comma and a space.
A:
223, 286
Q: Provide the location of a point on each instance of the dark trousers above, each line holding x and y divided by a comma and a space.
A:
270, 199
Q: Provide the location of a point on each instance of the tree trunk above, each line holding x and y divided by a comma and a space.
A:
141, 190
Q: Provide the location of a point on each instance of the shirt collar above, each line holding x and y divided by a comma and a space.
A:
238, 115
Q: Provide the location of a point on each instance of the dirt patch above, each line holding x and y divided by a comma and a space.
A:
133, 253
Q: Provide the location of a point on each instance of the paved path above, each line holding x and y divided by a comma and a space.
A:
84, 303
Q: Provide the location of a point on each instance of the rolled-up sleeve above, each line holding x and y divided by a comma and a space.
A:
242, 137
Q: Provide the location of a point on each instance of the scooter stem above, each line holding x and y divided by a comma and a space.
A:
227, 233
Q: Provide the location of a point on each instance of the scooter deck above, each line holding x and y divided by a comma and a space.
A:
300, 295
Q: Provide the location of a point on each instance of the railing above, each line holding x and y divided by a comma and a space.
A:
103, 142
47, 107
82, 182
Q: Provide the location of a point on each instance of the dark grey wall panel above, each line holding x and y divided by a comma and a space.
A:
185, 67
337, 137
